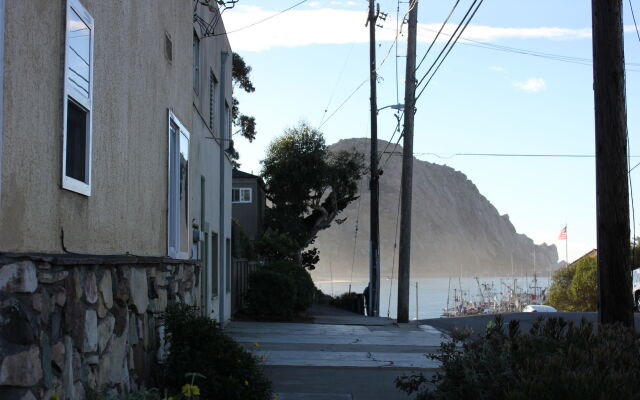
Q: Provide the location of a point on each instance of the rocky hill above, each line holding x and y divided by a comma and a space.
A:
455, 229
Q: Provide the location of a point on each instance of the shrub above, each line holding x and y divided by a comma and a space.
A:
555, 360
197, 345
271, 294
305, 289
351, 301
575, 288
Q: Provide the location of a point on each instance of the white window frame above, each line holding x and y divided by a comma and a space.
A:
173, 229
240, 190
73, 94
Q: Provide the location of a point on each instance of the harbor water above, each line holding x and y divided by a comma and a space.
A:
432, 292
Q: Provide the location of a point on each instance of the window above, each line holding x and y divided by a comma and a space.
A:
213, 90
241, 195
78, 87
196, 63
178, 193
227, 273
215, 285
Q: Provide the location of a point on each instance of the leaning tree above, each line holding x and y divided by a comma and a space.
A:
308, 186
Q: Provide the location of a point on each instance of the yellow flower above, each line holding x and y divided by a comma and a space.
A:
168, 398
190, 390
256, 344
54, 397
246, 383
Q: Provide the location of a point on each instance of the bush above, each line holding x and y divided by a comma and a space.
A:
575, 288
197, 345
555, 360
305, 289
271, 294
351, 301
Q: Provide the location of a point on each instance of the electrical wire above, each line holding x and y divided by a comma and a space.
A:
446, 46
438, 34
262, 20
343, 103
355, 240
344, 66
516, 50
635, 24
447, 54
395, 246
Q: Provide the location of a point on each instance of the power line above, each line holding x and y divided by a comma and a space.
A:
634, 21
262, 20
450, 48
438, 34
516, 50
524, 155
344, 66
343, 103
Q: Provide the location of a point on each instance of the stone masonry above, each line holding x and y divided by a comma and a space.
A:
69, 321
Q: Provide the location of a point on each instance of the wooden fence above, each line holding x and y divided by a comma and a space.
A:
241, 268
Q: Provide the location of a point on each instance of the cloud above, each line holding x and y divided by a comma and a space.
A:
323, 25
533, 85
497, 68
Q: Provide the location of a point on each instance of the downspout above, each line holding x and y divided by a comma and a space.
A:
1, 89
222, 265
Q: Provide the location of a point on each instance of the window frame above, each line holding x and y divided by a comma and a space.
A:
73, 94
173, 228
240, 190
213, 89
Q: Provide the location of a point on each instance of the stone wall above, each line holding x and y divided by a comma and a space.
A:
70, 321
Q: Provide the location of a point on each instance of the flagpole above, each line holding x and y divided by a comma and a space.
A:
566, 243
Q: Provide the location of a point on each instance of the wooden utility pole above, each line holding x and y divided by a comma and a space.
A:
404, 256
612, 188
373, 305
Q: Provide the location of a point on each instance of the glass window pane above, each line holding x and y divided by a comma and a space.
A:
173, 188
235, 195
76, 157
79, 53
214, 264
184, 194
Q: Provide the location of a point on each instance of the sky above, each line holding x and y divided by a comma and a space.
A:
314, 56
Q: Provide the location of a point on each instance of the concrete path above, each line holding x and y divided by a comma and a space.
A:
347, 356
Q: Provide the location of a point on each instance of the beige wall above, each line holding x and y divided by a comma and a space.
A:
133, 86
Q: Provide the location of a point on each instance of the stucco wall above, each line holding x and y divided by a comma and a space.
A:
248, 215
134, 86
205, 159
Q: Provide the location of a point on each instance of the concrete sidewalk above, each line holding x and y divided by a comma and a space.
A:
339, 356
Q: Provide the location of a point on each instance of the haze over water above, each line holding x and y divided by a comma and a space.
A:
432, 292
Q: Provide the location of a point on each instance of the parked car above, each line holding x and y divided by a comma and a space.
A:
538, 308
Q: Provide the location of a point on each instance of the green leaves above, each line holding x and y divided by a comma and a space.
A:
307, 184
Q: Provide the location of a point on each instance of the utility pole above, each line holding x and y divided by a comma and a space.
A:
612, 169
373, 303
404, 256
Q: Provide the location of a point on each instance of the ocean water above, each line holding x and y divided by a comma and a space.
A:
431, 296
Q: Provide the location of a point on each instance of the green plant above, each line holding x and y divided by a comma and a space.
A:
555, 360
271, 294
575, 288
197, 346
350, 301
305, 289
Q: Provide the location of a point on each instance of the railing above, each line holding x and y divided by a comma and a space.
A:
241, 268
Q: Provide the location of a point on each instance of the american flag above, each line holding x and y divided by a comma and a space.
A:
563, 234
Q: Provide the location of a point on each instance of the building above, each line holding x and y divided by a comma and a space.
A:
247, 196
115, 192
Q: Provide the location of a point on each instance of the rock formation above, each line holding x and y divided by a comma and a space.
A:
455, 229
